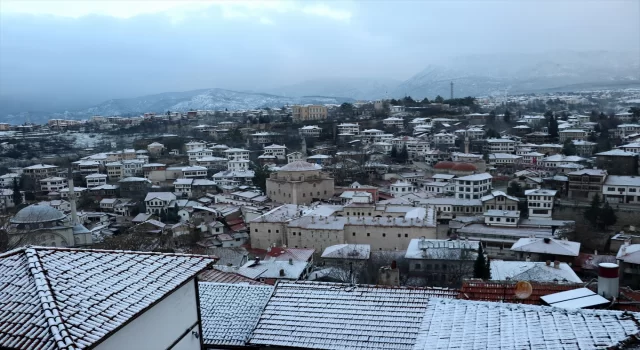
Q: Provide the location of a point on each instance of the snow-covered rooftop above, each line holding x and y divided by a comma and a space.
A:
450, 324
441, 249
532, 271
339, 316
57, 298
229, 312
347, 251
547, 246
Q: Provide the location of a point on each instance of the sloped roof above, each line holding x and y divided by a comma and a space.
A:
629, 253
504, 291
461, 324
317, 315
347, 251
300, 165
229, 312
57, 298
547, 246
218, 276
532, 271
37, 213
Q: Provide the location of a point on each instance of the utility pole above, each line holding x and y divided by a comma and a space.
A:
451, 91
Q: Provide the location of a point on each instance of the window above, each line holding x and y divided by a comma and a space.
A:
490, 219
353, 234
399, 235
418, 267
368, 234
277, 231
406, 235
611, 188
384, 235
632, 190
269, 231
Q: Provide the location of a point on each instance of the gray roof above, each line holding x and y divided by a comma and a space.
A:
57, 298
462, 324
230, 311
340, 316
300, 166
36, 213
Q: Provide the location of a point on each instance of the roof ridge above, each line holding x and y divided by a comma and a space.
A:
56, 326
111, 251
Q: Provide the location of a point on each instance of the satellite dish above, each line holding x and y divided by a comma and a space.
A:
523, 290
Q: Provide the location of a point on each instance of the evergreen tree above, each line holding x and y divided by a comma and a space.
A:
480, 265
569, 149
507, 116
17, 196
260, 176
425, 101
403, 156
608, 215
593, 212
439, 99
553, 127
394, 152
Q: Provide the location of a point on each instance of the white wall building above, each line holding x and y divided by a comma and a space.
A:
278, 151
444, 138
502, 217
472, 186
504, 159
621, 189
400, 188
157, 202
540, 203
191, 145
393, 122
501, 146
6, 180
53, 184
310, 131
348, 128
95, 180
237, 154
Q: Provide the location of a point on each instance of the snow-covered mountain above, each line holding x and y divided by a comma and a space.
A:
209, 99
356, 88
479, 75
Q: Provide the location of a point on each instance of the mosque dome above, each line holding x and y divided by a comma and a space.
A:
36, 213
300, 165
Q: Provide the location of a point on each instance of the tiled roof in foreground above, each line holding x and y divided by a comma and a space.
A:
230, 311
58, 298
461, 324
504, 291
339, 316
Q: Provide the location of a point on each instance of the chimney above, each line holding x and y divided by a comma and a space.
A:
556, 264
548, 262
608, 282
528, 259
290, 261
547, 240
282, 274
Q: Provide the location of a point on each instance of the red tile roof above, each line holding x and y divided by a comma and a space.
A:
504, 291
218, 276
297, 254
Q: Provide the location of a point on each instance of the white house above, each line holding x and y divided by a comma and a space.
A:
501, 217
278, 151
194, 172
401, 188
6, 180
264, 137
95, 180
310, 131
115, 170
157, 202
196, 153
501, 146
191, 145
132, 167
472, 186
504, 159
621, 189
237, 154
444, 138
393, 122
238, 165
294, 157
540, 202
531, 157
383, 147
52, 184
349, 128
183, 186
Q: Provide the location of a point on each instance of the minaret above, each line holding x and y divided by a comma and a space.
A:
72, 200
303, 145
466, 145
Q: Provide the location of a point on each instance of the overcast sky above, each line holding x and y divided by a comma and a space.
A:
91, 51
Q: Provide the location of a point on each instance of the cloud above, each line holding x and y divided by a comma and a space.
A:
177, 10
326, 11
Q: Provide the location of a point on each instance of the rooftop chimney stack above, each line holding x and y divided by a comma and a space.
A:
608, 282
556, 264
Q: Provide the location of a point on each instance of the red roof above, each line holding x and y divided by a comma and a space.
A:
444, 165
504, 291
238, 227
464, 167
234, 221
218, 276
297, 254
